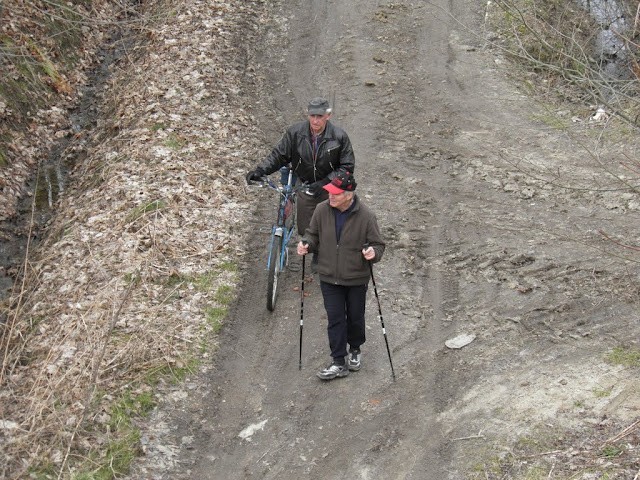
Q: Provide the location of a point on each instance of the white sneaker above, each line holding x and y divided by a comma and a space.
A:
333, 371
354, 360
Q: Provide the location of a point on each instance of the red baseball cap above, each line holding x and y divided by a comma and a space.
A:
342, 182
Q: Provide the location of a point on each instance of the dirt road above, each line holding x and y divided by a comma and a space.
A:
477, 245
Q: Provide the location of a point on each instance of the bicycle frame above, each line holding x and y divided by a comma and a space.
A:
285, 223
281, 233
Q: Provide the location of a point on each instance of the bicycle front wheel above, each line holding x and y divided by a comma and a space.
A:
274, 272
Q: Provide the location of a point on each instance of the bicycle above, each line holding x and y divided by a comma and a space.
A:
281, 231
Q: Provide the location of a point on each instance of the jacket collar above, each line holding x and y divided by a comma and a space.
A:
327, 133
354, 207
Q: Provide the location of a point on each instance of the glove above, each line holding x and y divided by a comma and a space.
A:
255, 175
315, 189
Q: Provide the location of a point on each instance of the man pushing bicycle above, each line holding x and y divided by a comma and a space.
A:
317, 150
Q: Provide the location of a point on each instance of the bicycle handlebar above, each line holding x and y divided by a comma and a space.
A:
265, 182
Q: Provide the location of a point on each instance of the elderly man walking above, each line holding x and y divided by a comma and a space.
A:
316, 150
345, 235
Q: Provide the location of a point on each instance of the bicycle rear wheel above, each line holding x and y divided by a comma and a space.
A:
274, 272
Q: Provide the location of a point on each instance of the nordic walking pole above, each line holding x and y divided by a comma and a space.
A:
384, 332
301, 310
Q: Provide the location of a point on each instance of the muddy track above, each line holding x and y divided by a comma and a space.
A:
311, 427
416, 96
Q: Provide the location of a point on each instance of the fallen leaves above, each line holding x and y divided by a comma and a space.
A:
144, 238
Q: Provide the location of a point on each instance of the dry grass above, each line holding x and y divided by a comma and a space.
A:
125, 289
555, 43
608, 451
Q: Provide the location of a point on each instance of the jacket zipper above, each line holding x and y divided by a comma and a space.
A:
314, 156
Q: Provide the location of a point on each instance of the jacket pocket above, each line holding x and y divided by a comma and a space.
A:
333, 149
351, 263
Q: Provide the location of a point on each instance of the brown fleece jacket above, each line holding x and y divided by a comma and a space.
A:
342, 263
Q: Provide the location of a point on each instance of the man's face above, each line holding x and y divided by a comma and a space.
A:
318, 122
341, 201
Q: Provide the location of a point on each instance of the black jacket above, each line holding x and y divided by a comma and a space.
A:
334, 153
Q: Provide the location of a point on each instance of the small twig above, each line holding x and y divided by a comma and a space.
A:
550, 452
471, 437
239, 354
274, 451
623, 433
630, 247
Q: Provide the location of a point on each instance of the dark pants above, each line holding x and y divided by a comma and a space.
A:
305, 205
345, 313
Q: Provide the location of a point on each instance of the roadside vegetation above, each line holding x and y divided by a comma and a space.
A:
570, 54
46, 50
547, 452
131, 282
586, 72
137, 286
582, 60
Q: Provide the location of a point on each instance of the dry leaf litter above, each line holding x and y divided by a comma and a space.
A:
122, 284
27, 148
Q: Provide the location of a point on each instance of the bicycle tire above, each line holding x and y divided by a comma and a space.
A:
274, 272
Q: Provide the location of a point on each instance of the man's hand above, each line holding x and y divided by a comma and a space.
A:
303, 248
255, 175
369, 253
315, 189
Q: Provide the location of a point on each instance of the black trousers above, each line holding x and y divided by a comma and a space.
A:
345, 308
